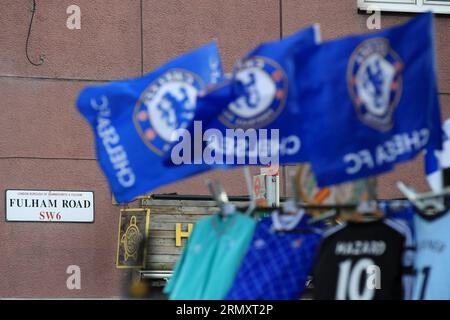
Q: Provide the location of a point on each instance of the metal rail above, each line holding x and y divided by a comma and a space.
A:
155, 275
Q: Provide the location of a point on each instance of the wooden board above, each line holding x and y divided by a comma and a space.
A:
162, 253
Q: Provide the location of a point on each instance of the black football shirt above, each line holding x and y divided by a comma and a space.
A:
365, 261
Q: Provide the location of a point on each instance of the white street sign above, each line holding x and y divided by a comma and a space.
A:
49, 206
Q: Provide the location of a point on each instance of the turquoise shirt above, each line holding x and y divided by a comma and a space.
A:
211, 258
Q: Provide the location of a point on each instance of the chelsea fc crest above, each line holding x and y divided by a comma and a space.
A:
166, 105
265, 86
374, 77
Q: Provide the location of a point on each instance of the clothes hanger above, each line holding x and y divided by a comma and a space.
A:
368, 211
365, 211
329, 212
289, 207
325, 216
220, 196
428, 203
294, 208
227, 207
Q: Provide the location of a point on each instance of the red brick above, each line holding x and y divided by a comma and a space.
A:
173, 27
36, 255
39, 119
106, 47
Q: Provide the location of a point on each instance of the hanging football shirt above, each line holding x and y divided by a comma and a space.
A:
400, 211
277, 264
364, 261
432, 262
213, 254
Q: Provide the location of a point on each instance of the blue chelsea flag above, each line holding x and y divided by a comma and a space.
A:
133, 120
252, 115
372, 100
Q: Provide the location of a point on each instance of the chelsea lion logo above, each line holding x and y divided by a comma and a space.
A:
166, 105
265, 86
374, 78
